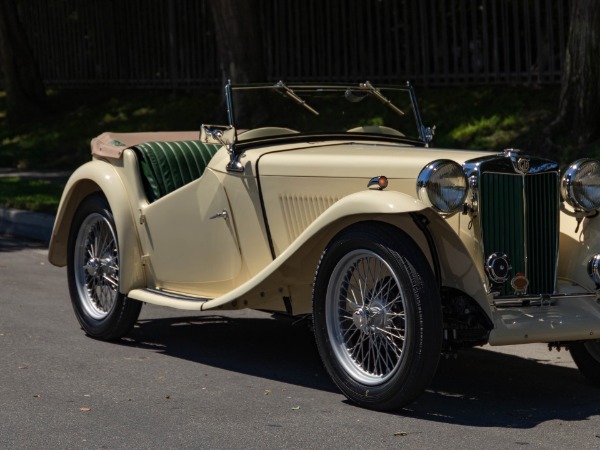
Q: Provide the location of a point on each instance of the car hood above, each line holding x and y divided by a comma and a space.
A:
356, 160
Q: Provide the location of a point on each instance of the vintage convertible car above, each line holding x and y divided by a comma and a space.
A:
328, 201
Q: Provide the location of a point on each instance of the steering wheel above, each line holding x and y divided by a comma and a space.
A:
265, 132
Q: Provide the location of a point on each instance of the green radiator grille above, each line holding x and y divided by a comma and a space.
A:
519, 217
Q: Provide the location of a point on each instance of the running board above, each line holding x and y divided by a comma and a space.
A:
170, 299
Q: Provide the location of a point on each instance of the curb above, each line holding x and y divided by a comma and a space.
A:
26, 224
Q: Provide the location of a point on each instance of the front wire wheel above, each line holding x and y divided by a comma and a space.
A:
377, 316
93, 269
367, 320
586, 355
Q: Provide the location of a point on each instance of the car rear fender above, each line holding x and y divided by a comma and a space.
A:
99, 176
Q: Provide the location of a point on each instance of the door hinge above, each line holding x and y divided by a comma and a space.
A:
142, 218
145, 260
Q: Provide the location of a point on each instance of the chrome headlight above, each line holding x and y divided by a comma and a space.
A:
442, 185
580, 185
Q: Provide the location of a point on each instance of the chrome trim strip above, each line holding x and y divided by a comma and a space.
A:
174, 296
525, 221
229, 102
539, 300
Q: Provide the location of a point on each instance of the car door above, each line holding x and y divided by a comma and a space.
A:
189, 239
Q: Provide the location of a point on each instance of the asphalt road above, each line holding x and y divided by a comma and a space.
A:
245, 380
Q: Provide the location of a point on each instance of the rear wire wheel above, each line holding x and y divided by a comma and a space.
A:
93, 271
377, 316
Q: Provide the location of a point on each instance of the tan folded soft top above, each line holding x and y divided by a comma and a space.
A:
112, 145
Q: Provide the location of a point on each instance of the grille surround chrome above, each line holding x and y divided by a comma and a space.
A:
506, 173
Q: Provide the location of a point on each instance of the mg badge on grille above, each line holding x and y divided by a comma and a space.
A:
519, 284
523, 165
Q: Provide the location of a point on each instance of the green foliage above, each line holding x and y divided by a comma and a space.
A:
32, 195
61, 140
487, 118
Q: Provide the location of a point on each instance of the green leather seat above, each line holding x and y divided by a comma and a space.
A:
166, 166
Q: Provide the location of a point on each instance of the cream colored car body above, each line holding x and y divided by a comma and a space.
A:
181, 251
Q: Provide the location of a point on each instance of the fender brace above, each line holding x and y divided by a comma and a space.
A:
422, 223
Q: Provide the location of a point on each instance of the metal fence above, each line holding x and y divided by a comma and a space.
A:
171, 43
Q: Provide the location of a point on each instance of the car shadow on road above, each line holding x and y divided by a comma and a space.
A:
481, 388
266, 348
489, 389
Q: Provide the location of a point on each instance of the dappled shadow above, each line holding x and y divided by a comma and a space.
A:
481, 388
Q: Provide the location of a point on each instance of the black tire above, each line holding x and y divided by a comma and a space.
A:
380, 340
93, 273
586, 355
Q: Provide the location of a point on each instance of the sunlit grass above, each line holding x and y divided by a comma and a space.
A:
490, 118
32, 195
490, 132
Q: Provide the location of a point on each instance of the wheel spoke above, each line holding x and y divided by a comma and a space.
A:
352, 301
357, 277
385, 286
353, 332
382, 356
112, 282
389, 333
393, 301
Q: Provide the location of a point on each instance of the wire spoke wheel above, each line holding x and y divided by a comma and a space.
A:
367, 322
94, 273
586, 355
377, 316
97, 266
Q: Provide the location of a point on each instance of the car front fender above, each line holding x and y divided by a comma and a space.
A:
293, 270
99, 176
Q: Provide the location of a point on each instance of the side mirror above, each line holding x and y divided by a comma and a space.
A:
224, 135
217, 134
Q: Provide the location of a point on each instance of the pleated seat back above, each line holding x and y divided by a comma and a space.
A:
167, 166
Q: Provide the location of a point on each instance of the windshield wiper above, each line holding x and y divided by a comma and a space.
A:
383, 99
291, 94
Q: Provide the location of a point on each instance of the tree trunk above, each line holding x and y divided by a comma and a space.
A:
579, 107
25, 93
239, 38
